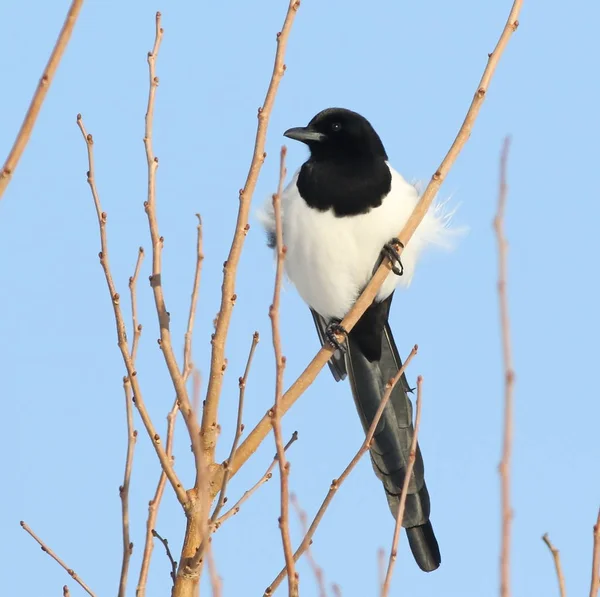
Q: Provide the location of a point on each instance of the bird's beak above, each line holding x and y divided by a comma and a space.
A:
304, 134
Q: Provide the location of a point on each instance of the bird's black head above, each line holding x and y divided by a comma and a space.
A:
339, 134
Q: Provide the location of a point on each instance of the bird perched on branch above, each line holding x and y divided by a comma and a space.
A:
340, 215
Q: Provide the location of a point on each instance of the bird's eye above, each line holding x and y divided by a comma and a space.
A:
336, 126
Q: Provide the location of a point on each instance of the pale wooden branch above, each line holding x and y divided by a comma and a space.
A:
215, 580
154, 505
228, 297
316, 569
247, 494
509, 378
595, 584
336, 483
172, 561
66, 592
239, 428
385, 590
137, 327
557, 564
39, 96
165, 342
188, 365
131, 432
164, 459
124, 489
284, 467
69, 571
256, 436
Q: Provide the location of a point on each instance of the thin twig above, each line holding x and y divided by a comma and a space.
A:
66, 592
247, 494
26, 129
595, 585
154, 505
124, 489
187, 349
381, 567
556, 557
156, 278
131, 432
256, 436
228, 297
509, 377
239, 428
164, 459
316, 569
284, 467
215, 580
172, 561
337, 591
137, 327
336, 483
47, 550
385, 591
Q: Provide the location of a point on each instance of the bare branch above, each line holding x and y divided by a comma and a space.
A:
66, 592
385, 591
209, 419
336, 483
70, 571
172, 561
156, 278
215, 579
317, 570
509, 378
238, 429
261, 430
595, 585
284, 467
266, 477
39, 96
124, 489
137, 327
559, 572
154, 505
187, 350
165, 461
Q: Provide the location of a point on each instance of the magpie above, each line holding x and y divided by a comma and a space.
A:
339, 214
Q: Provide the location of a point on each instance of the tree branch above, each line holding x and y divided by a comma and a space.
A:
256, 436
509, 378
556, 557
39, 96
595, 585
228, 297
165, 461
70, 571
385, 591
336, 483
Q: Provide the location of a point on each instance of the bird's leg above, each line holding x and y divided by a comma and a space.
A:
333, 330
390, 250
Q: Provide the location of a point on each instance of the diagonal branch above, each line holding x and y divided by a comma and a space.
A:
261, 430
509, 378
385, 590
228, 297
39, 96
336, 483
164, 459
70, 571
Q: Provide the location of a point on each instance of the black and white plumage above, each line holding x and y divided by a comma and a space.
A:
342, 206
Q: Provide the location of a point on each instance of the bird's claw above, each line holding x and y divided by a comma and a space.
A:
390, 250
334, 329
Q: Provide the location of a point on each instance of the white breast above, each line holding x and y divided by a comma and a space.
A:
330, 259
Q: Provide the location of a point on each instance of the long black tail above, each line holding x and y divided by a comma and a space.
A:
390, 450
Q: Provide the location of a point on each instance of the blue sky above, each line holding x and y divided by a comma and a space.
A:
411, 68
